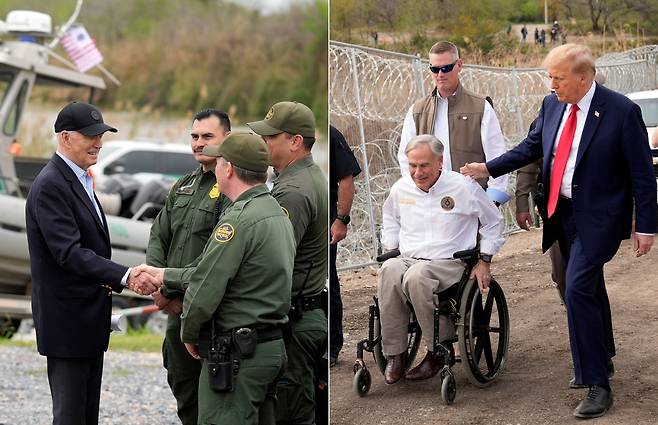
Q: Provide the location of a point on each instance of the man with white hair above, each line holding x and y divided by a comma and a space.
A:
429, 215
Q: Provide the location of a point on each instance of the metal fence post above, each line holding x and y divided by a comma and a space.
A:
366, 165
515, 102
419, 75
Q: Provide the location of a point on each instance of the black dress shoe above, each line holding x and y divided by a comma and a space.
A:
611, 373
597, 402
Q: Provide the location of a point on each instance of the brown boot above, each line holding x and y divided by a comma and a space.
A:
394, 368
428, 368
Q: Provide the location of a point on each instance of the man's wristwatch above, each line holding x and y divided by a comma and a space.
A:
486, 257
344, 218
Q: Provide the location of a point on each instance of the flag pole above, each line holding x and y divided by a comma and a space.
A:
108, 74
66, 26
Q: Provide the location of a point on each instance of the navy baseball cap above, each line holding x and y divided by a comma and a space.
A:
82, 117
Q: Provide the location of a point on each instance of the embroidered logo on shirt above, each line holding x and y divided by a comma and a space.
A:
214, 192
224, 233
447, 203
407, 201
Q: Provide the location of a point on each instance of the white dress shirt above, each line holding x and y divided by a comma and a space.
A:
436, 224
493, 143
581, 116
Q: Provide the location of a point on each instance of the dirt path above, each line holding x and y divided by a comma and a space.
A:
534, 386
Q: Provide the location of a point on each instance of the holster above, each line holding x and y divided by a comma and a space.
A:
221, 363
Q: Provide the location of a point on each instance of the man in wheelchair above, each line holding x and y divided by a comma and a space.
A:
429, 215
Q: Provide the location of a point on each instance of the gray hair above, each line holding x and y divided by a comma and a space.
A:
425, 139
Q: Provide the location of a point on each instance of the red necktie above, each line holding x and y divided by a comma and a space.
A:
561, 157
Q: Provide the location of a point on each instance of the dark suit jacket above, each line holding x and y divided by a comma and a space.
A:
613, 171
69, 258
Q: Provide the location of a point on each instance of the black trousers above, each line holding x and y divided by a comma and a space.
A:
75, 386
335, 307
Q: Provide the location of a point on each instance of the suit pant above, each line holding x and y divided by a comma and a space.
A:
588, 307
75, 387
408, 280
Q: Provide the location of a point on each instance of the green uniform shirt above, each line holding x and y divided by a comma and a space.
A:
245, 271
301, 189
182, 228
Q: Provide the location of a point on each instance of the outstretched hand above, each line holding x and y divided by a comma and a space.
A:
476, 170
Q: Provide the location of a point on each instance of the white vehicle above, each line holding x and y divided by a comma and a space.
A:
145, 161
648, 102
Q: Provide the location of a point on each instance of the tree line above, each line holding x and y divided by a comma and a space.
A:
184, 55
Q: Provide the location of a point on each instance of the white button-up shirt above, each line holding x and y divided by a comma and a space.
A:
442, 221
581, 117
493, 143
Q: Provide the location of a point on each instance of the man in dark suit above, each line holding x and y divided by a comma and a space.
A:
598, 175
72, 276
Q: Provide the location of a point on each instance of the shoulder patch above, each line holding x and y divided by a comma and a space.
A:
224, 233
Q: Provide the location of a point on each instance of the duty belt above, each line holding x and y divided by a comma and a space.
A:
311, 303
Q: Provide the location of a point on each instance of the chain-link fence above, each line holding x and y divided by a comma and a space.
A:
371, 91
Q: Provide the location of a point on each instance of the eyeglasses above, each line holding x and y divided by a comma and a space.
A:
445, 68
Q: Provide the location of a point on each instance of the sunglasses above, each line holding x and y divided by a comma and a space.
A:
445, 69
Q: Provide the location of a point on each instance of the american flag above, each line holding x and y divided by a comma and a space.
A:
81, 48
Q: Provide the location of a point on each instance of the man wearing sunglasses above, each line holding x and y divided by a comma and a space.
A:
463, 121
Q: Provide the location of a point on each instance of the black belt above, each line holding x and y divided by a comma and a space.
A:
263, 334
269, 333
564, 198
311, 303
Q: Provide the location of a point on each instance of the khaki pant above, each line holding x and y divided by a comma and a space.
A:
407, 280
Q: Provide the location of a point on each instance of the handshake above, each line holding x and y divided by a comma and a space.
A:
145, 280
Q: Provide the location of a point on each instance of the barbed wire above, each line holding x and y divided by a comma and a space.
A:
371, 91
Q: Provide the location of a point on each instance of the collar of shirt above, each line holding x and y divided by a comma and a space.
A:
581, 116
585, 102
79, 172
303, 162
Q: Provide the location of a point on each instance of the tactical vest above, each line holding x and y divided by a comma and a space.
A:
465, 111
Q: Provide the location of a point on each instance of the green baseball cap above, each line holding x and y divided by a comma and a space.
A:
290, 117
244, 150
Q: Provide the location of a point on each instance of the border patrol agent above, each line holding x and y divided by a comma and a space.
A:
239, 292
178, 236
301, 189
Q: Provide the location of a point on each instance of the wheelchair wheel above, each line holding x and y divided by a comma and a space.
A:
483, 332
413, 342
361, 382
448, 389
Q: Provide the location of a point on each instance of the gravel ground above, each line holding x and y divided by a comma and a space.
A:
134, 389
